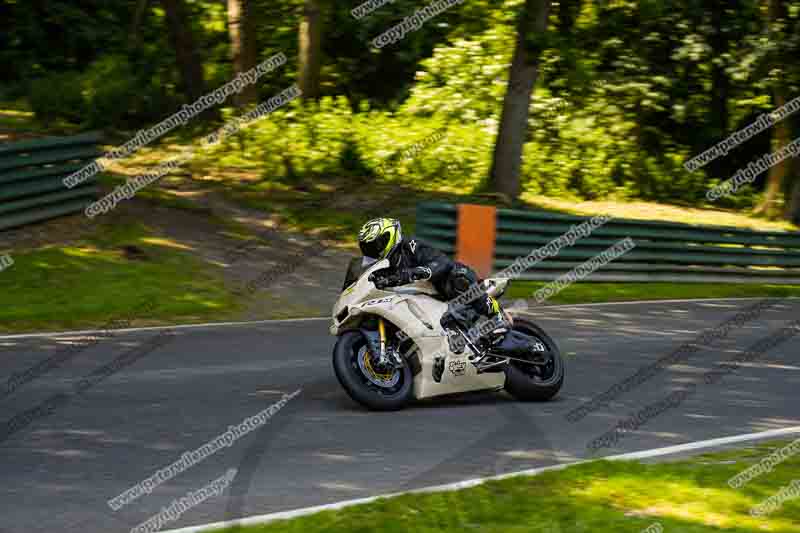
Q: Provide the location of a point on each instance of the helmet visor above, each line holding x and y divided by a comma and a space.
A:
376, 247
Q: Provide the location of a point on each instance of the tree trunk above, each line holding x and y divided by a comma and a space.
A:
243, 46
134, 35
793, 205
507, 160
720, 84
310, 49
568, 11
182, 40
781, 135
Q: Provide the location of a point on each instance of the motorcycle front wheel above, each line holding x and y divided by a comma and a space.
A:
374, 387
541, 382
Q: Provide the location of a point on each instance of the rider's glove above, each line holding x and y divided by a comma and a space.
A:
384, 281
410, 275
403, 277
419, 273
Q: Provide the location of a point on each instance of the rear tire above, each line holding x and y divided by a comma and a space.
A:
349, 348
542, 385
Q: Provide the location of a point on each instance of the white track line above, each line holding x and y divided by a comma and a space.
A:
646, 454
158, 328
311, 319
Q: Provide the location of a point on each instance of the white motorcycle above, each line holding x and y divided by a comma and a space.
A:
392, 348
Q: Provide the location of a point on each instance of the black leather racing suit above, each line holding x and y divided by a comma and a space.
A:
413, 260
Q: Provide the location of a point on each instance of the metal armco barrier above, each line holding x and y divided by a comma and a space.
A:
665, 251
31, 174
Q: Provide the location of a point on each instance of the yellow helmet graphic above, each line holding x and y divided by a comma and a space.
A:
379, 237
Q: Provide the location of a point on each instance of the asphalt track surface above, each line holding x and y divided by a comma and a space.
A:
59, 471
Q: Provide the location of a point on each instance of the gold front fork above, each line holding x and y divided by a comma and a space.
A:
382, 331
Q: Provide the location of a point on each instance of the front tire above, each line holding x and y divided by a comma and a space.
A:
535, 383
352, 363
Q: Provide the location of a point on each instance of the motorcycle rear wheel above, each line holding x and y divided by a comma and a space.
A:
374, 389
527, 382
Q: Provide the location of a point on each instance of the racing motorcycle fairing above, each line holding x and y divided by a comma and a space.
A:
414, 311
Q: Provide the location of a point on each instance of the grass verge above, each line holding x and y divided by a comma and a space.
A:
689, 496
105, 277
589, 292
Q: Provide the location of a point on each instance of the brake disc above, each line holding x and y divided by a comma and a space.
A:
385, 380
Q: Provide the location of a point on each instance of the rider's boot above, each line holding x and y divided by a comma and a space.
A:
454, 321
517, 345
501, 320
504, 340
481, 334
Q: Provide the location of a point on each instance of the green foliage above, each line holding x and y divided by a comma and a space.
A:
329, 140
112, 92
626, 93
58, 96
465, 81
108, 93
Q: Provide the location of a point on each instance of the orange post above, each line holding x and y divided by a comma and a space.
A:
475, 238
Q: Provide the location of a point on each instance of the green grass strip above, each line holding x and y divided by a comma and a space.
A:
589, 292
690, 496
91, 283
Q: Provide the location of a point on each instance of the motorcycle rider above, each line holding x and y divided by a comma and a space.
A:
411, 260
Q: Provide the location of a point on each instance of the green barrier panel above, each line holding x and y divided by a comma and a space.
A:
28, 216
32, 174
28, 188
565, 266
90, 193
665, 251
508, 215
91, 138
650, 245
618, 229
585, 253
60, 170
436, 225
45, 157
